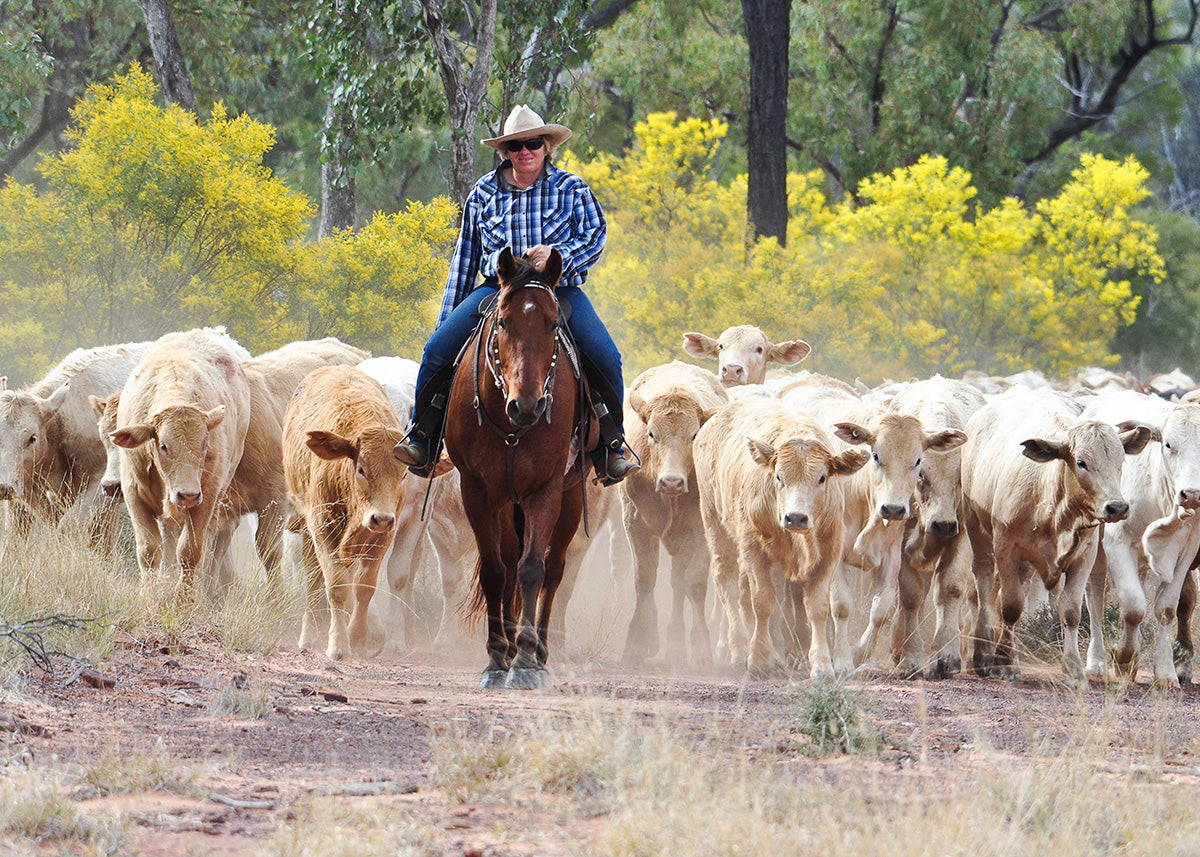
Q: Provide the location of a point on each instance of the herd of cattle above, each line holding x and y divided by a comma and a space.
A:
798, 497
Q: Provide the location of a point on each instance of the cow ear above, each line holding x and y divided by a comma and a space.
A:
1042, 450
53, 402
850, 461
944, 440
213, 418
761, 451
1129, 425
505, 265
98, 405
553, 270
330, 446
1135, 439
789, 353
853, 433
706, 414
700, 345
639, 406
131, 437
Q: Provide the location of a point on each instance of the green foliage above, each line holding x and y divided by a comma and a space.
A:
834, 720
378, 287
916, 279
155, 221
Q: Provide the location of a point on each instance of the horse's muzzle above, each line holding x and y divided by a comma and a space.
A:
525, 415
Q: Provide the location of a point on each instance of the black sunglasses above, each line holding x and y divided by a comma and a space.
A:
517, 145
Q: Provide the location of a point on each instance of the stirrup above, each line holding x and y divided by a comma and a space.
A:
615, 467
415, 452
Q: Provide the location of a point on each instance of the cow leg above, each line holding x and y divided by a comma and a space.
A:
950, 581
760, 663
146, 537
337, 592
841, 598
190, 550
1094, 597
1013, 576
402, 560
913, 587
268, 542
1121, 561
315, 623
816, 606
883, 604
1170, 548
983, 569
1070, 610
726, 580
641, 641
363, 586
1184, 649
695, 583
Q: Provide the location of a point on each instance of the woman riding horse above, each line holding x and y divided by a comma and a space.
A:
533, 207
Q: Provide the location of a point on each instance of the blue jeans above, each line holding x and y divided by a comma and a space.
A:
589, 331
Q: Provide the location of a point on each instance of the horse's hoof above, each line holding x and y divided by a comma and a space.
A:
492, 679
527, 679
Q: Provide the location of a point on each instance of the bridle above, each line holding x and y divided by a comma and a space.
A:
496, 369
491, 352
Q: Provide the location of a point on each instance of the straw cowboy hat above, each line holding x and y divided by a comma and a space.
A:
522, 123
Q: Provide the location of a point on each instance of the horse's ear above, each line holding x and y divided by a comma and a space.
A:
553, 270
506, 265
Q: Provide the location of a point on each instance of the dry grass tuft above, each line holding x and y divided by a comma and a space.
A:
323, 828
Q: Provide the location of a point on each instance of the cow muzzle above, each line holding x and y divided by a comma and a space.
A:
1189, 498
671, 485
797, 522
111, 489
893, 511
1114, 511
943, 529
380, 522
187, 499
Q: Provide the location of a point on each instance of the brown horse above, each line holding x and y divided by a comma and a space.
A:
513, 408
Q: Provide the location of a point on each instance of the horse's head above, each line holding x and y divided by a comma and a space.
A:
525, 334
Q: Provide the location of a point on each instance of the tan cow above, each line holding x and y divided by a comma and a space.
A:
181, 426
347, 489
50, 457
879, 500
666, 406
743, 352
1037, 482
772, 505
258, 485
935, 550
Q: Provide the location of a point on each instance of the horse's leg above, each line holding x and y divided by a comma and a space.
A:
542, 515
491, 580
556, 557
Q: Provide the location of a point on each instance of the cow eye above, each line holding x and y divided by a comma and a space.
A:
918, 464
1167, 444
758, 350
362, 472
163, 448
875, 456
32, 440
778, 479
650, 435
821, 481
1081, 464
720, 346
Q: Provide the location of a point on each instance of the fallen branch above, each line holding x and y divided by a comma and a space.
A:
384, 787
27, 636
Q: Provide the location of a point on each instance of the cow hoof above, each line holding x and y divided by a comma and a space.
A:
1076, 682
492, 678
945, 668
527, 679
908, 670
1166, 683
1185, 673
1125, 669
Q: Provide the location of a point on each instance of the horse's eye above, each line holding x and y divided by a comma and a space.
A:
500, 324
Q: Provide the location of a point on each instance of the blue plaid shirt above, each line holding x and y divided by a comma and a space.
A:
558, 210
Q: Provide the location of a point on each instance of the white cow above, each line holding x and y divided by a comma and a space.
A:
743, 352
1037, 482
1154, 548
879, 499
935, 548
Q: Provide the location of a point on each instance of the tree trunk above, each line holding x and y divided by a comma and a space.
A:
168, 56
464, 89
767, 25
338, 202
